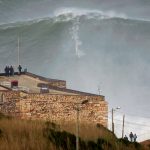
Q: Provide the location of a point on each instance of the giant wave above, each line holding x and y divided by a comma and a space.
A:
70, 23
70, 14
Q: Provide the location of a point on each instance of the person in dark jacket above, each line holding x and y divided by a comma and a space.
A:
131, 136
126, 138
11, 70
19, 69
6, 70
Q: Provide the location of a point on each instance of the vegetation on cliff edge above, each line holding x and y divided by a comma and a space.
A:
39, 135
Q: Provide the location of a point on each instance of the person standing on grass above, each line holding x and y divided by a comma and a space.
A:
126, 138
134, 137
131, 136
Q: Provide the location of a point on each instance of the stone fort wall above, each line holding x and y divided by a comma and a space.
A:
54, 107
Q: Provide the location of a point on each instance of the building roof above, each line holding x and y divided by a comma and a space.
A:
36, 76
34, 83
43, 78
66, 90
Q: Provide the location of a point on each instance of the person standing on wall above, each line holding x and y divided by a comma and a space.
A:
6, 71
19, 69
11, 71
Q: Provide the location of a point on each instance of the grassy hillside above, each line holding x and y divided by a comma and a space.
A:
146, 144
39, 135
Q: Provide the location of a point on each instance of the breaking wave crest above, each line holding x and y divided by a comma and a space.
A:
70, 14
97, 14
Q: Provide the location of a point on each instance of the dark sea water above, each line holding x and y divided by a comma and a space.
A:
88, 47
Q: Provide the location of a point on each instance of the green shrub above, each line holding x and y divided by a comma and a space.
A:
64, 140
137, 145
123, 141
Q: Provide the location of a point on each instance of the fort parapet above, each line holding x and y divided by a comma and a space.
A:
57, 103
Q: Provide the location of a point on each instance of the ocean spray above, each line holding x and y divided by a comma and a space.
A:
75, 36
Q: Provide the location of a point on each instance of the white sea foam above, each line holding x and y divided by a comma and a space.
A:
69, 14
76, 12
74, 31
73, 14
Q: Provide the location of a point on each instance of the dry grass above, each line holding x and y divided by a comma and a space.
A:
87, 131
22, 135
28, 135
146, 144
